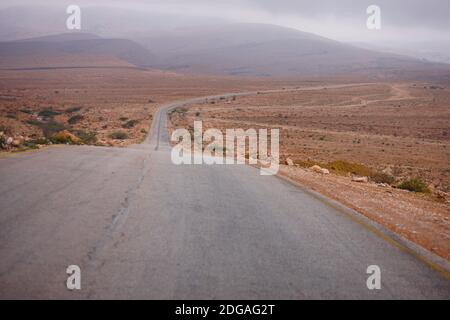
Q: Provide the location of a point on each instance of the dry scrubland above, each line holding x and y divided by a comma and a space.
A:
397, 135
110, 106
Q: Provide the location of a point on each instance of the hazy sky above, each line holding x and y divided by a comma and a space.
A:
345, 20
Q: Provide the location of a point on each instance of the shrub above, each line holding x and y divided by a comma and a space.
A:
380, 177
47, 113
119, 135
305, 163
123, 118
344, 167
130, 124
52, 127
2, 140
73, 109
48, 128
26, 110
40, 141
33, 122
75, 119
33, 144
414, 185
86, 137
65, 137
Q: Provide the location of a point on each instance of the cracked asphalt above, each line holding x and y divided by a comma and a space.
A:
140, 227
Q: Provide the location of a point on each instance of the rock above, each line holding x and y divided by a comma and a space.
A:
316, 168
319, 169
9, 140
289, 162
387, 170
16, 143
360, 179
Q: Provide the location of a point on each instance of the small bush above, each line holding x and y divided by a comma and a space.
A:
73, 109
130, 124
305, 163
119, 135
380, 177
33, 122
26, 110
344, 167
86, 137
59, 139
414, 185
65, 137
40, 141
123, 118
33, 144
75, 119
47, 113
2, 141
52, 127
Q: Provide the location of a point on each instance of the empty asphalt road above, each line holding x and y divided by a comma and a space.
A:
140, 227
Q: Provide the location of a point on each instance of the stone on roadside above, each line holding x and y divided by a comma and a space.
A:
316, 168
360, 179
289, 162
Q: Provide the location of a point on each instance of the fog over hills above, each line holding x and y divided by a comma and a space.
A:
266, 50
191, 45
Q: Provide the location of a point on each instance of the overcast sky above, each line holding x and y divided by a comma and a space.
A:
345, 20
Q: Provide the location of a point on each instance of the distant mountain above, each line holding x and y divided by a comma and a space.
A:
192, 45
268, 50
74, 49
32, 21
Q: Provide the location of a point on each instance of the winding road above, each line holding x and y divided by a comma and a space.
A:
140, 227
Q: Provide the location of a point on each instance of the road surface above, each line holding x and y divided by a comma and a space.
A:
140, 227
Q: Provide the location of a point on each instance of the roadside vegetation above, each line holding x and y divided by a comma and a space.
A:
119, 135
414, 185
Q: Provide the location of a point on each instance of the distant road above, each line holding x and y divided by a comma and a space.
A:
140, 227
